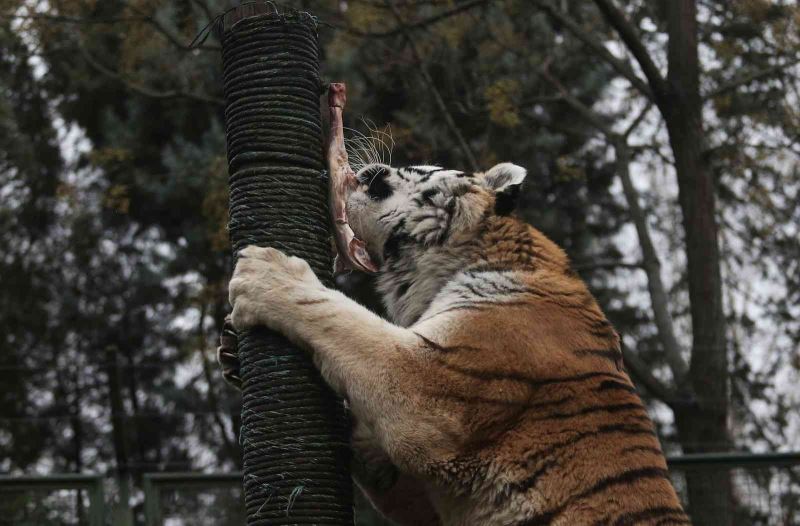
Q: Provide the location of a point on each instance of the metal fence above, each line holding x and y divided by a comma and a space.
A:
766, 491
766, 487
54, 499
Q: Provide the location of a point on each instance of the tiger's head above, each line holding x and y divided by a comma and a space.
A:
418, 222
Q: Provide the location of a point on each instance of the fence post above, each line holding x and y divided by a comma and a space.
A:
152, 501
96, 502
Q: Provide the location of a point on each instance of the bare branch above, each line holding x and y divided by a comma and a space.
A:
732, 84
590, 116
652, 267
448, 118
404, 27
605, 265
144, 90
617, 19
142, 18
71, 19
641, 373
638, 120
651, 263
204, 7
596, 46
166, 33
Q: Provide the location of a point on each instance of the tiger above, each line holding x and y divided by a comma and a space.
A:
494, 391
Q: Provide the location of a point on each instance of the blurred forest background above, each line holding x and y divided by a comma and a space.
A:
662, 142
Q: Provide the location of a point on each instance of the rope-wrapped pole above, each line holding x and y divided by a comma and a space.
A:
294, 430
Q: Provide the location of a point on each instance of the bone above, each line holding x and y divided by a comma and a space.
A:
352, 252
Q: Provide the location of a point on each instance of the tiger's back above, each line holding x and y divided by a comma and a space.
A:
553, 429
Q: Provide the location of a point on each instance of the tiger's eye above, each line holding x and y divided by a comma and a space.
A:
376, 179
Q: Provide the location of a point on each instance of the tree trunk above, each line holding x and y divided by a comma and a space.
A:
702, 425
77, 442
121, 515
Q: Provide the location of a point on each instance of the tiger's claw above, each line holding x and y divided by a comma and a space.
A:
227, 355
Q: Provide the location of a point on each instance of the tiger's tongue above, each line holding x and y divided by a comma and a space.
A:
352, 253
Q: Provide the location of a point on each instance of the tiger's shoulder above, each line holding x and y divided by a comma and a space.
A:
553, 430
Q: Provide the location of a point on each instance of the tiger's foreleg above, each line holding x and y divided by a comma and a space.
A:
363, 357
357, 352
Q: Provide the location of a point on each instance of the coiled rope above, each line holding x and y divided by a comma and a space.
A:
294, 430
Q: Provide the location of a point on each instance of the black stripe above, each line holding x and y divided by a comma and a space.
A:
397, 238
414, 170
420, 236
648, 449
402, 289
471, 287
449, 209
615, 408
311, 302
626, 477
478, 305
630, 519
609, 385
490, 267
609, 354
391, 248
494, 401
436, 347
469, 400
428, 175
532, 382
602, 328
484, 280
625, 429
525, 484
387, 214
673, 522
427, 194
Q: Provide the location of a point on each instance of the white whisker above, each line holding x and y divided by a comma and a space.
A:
372, 148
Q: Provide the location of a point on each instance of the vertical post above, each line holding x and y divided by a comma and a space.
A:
152, 502
121, 510
96, 502
294, 430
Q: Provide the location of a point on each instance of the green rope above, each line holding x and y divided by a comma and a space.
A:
294, 430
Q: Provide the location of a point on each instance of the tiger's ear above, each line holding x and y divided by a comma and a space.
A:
506, 181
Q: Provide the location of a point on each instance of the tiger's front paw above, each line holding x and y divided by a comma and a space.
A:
265, 285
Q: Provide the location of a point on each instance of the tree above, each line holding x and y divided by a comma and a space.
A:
660, 138
699, 394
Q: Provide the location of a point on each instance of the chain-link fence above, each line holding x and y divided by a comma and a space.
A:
765, 489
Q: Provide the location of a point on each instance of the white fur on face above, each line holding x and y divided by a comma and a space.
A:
416, 203
417, 223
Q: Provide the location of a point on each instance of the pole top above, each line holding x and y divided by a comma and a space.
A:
258, 8
225, 21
